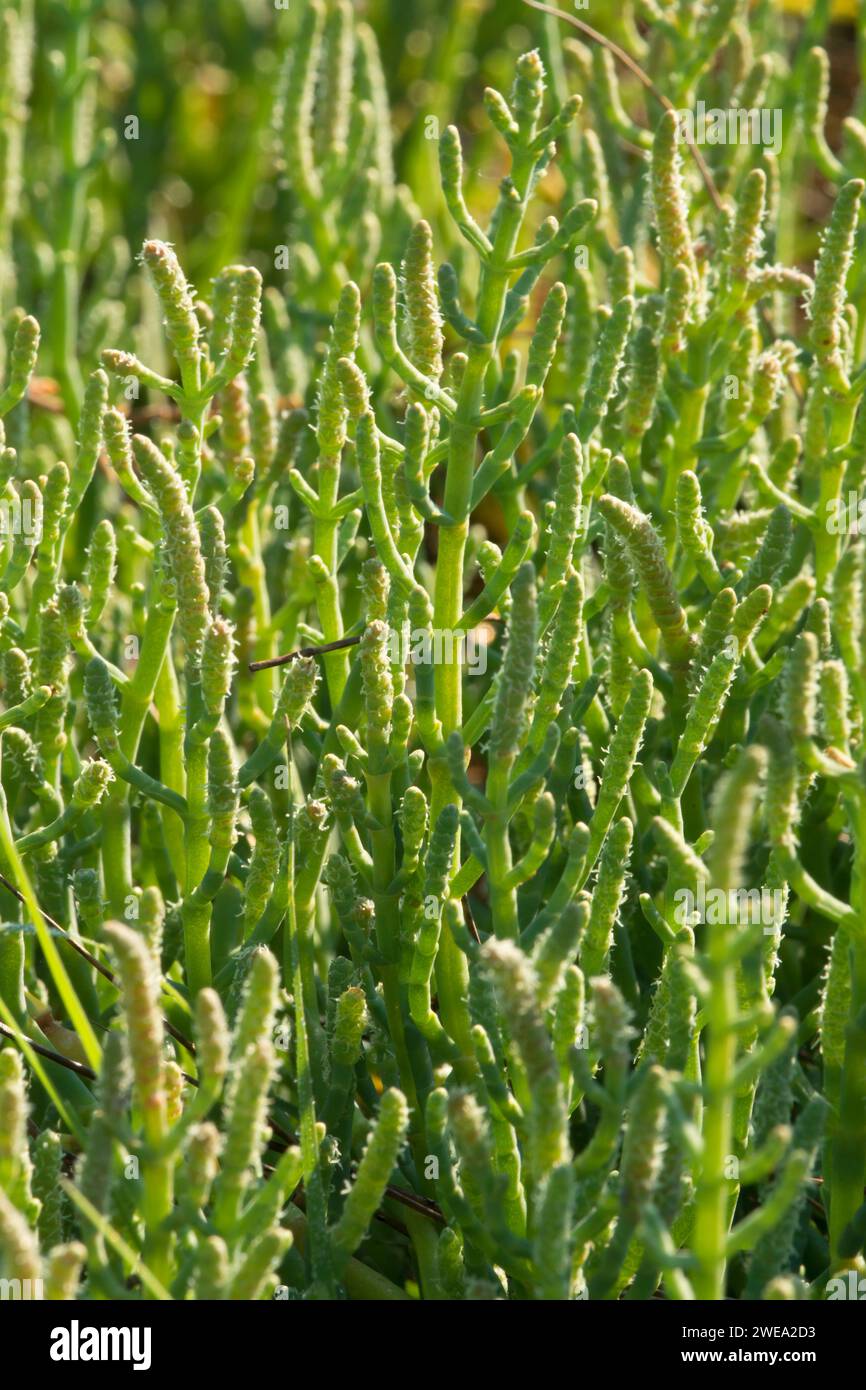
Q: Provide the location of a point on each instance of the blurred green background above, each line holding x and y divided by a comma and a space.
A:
199, 76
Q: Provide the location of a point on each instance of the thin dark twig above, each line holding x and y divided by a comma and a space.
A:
97, 964
303, 651
78, 1067
469, 919
644, 78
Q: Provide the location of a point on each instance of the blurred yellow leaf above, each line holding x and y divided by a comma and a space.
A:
842, 9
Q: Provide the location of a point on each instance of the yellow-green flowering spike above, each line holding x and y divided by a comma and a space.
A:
118, 446
594, 178
63, 1271
744, 248
648, 556
377, 685
750, 614
643, 1146
89, 436
17, 676
100, 569
643, 382
223, 793
612, 1021
499, 114
782, 800
619, 570
331, 425
619, 764
47, 1158
846, 605
518, 665
350, 1020
544, 340
568, 1018
605, 370
424, 320
555, 949
376, 587
677, 316
212, 1041
787, 607
440, 852
566, 522
420, 970
543, 831
91, 784
296, 692
835, 704
374, 1172
369, 466
215, 556
559, 659
353, 383
702, 718
579, 331
374, 89
265, 861
695, 535
335, 97
385, 306
245, 1131
299, 101
258, 1265
831, 272
182, 327
201, 1162
516, 987
413, 826
606, 898
818, 621
684, 865
143, 1021
18, 1245
15, 1165
527, 94
552, 1244
182, 543
800, 691
621, 275
731, 814
101, 700
259, 1002
669, 199
217, 665
22, 361
245, 316
212, 1269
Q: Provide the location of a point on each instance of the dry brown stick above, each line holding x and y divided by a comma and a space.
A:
79, 1068
303, 651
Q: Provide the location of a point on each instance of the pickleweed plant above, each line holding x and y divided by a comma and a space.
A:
432, 682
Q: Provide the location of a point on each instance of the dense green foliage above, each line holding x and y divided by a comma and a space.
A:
432, 669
